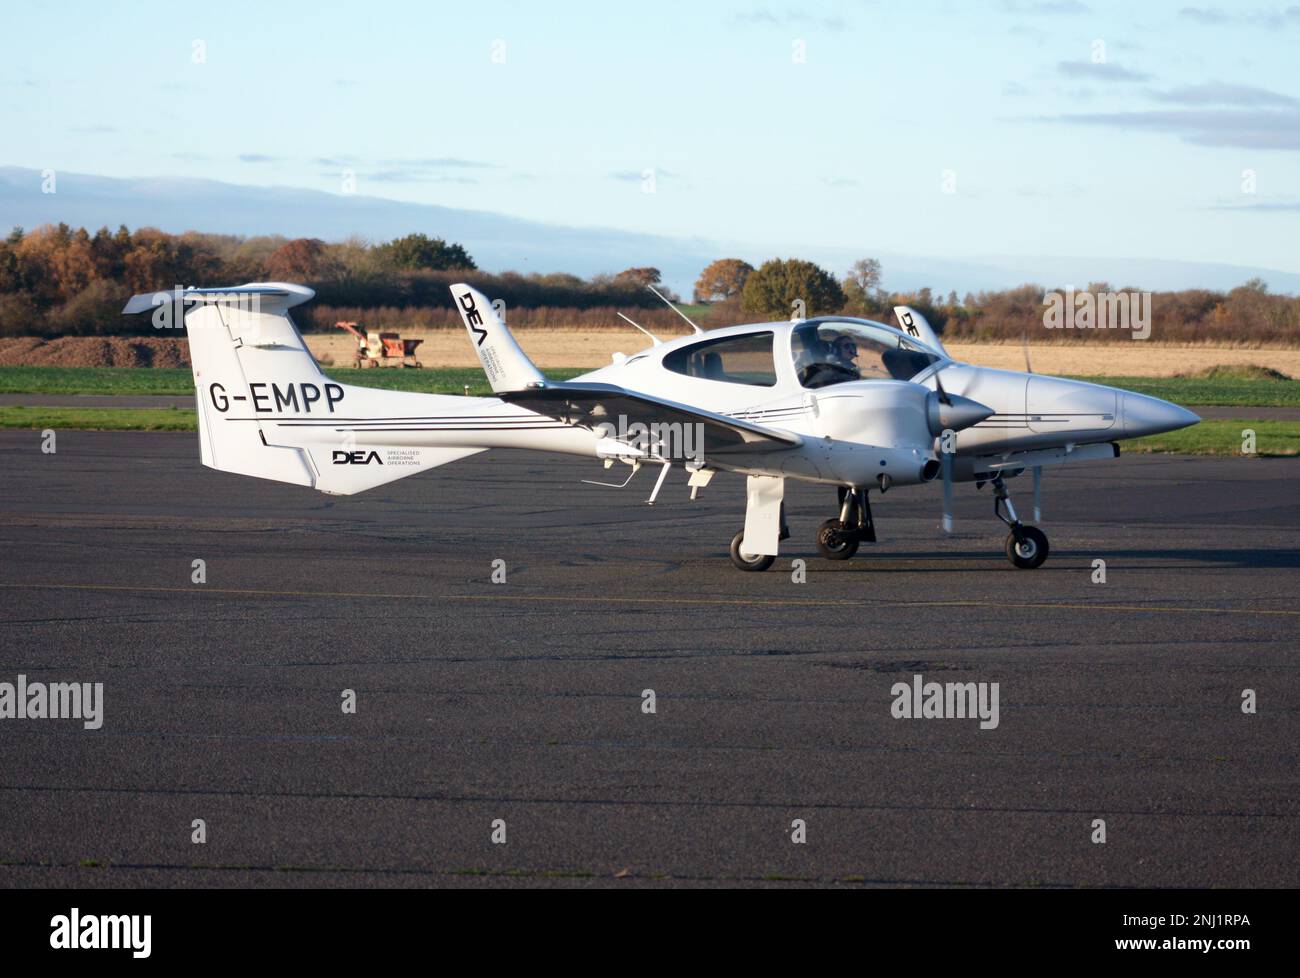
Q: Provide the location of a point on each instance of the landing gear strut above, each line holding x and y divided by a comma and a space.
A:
1026, 546
839, 539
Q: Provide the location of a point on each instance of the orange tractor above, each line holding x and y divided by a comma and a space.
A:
376, 349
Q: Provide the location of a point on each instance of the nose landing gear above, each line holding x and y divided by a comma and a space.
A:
838, 539
1026, 546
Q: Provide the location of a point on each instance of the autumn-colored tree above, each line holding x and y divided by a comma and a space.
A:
11, 279
722, 280
784, 287
162, 261
96, 309
299, 260
35, 254
639, 277
74, 264
19, 315
144, 270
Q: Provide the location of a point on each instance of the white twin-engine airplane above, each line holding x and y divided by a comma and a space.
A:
844, 402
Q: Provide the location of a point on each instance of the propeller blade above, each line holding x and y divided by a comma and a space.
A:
962, 414
943, 394
947, 491
1024, 346
1038, 493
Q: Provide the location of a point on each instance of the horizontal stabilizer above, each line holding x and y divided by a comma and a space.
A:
280, 294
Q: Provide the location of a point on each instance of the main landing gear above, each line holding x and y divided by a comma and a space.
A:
1026, 546
755, 562
838, 539
748, 562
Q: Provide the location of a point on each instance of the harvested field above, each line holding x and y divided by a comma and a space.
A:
573, 348
552, 348
1136, 359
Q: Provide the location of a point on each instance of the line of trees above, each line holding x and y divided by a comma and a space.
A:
57, 280
782, 288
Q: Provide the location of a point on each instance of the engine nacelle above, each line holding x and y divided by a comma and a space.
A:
882, 413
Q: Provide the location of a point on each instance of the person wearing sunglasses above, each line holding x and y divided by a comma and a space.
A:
844, 355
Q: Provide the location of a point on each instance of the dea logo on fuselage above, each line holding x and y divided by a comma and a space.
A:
357, 458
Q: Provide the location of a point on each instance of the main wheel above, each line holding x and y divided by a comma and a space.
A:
834, 543
748, 562
1030, 551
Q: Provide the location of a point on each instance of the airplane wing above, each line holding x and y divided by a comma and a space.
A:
593, 405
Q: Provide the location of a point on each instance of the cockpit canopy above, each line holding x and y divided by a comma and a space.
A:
834, 352
743, 359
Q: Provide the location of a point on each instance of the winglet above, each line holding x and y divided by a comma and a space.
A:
506, 365
914, 324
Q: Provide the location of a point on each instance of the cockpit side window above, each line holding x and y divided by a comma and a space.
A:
745, 359
835, 353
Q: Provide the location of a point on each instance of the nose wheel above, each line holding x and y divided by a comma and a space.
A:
839, 539
834, 542
1026, 546
1029, 550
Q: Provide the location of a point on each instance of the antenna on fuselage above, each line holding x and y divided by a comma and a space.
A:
673, 308
656, 340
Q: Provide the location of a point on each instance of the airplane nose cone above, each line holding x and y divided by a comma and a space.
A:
1151, 416
957, 414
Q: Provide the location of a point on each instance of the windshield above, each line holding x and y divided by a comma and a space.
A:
834, 353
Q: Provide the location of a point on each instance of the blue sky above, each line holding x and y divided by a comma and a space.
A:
1050, 152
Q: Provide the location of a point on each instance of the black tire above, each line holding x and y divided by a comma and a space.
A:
833, 543
1029, 553
747, 562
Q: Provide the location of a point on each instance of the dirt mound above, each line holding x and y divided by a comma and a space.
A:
94, 351
1248, 371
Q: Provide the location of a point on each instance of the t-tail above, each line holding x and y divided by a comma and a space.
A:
265, 409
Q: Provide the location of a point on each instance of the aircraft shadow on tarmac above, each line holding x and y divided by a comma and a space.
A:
1244, 559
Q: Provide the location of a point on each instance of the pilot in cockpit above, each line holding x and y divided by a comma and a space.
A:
844, 355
